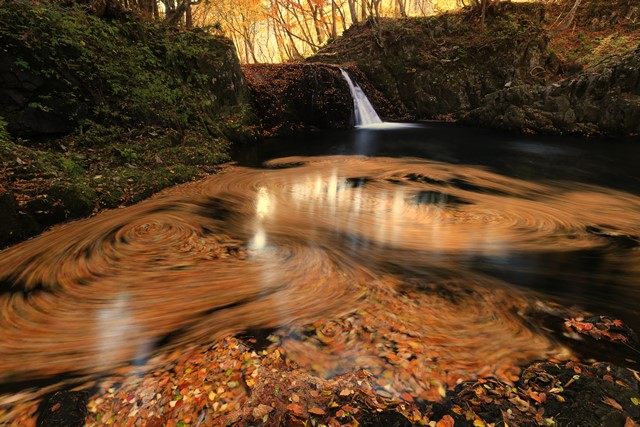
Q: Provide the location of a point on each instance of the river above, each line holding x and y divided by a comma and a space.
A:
472, 244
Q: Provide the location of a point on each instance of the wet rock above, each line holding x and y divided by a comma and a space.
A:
259, 339
438, 198
604, 328
548, 394
295, 97
357, 182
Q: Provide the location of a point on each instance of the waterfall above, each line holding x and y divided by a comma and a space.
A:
365, 114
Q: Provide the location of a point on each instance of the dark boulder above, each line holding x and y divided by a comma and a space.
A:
601, 101
15, 225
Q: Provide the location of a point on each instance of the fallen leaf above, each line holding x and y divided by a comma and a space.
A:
407, 397
611, 402
538, 397
446, 421
316, 411
261, 410
295, 409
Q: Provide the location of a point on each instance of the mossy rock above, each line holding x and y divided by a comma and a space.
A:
61, 66
63, 201
446, 64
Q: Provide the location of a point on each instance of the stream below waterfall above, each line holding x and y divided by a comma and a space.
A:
475, 244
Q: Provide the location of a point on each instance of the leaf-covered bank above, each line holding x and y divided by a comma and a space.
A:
102, 112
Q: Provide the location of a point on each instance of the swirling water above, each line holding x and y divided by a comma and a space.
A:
471, 231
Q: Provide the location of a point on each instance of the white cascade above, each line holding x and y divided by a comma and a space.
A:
365, 114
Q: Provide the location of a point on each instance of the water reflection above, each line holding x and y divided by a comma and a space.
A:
428, 247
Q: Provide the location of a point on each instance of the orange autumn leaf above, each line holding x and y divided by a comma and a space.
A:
611, 402
538, 397
446, 421
316, 410
295, 409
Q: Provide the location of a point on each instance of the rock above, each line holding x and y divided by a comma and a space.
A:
21, 91
63, 201
601, 101
295, 97
14, 224
446, 64
9, 222
570, 393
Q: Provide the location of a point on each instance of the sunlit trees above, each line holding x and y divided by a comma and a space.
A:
241, 20
280, 30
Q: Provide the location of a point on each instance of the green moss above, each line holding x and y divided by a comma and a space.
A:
126, 72
127, 154
4, 134
148, 107
77, 197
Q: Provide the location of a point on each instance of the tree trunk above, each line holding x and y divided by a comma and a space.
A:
402, 8
353, 11
334, 18
189, 17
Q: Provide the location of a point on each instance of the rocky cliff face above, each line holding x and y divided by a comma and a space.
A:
604, 100
292, 97
444, 65
525, 70
289, 98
